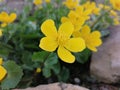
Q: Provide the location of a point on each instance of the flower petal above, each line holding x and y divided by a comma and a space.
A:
48, 44
92, 48
12, 17
64, 19
3, 72
85, 30
66, 28
65, 55
75, 45
48, 28
96, 34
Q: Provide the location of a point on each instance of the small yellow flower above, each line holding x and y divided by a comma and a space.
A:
38, 70
76, 20
92, 39
92, 6
115, 4
71, 4
6, 19
1, 32
77, 17
61, 39
37, 2
116, 21
3, 71
113, 13
102, 6
47, 1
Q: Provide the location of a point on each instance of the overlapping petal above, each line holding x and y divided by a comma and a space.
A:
48, 44
65, 55
12, 17
75, 44
48, 28
3, 72
66, 28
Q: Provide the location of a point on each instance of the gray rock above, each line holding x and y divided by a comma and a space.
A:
56, 86
105, 65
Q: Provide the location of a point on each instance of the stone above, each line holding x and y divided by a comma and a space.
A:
105, 64
56, 86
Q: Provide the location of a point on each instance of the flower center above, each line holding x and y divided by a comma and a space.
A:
62, 39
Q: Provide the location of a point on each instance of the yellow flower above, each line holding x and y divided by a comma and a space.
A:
71, 4
0, 32
115, 4
61, 39
92, 6
116, 21
47, 1
102, 6
37, 2
6, 19
77, 17
113, 13
38, 70
92, 39
3, 71
76, 20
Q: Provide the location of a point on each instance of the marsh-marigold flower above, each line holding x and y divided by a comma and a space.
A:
6, 19
61, 39
3, 71
115, 4
47, 1
92, 6
37, 2
71, 4
92, 39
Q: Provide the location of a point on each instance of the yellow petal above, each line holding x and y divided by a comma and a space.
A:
65, 55
12, 17
64, 19
92, 48
48, 28
66, 28
48, 44
3, 72
1, 61
96, 34
85, 30
75, 45
96, 42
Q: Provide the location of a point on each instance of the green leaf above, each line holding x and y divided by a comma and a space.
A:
56, 68
64, 74
14, 75
83, 57
105, 33
51, 60
46, 72
40, 56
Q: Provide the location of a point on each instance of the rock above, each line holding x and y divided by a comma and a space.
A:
56, 86
105, 64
